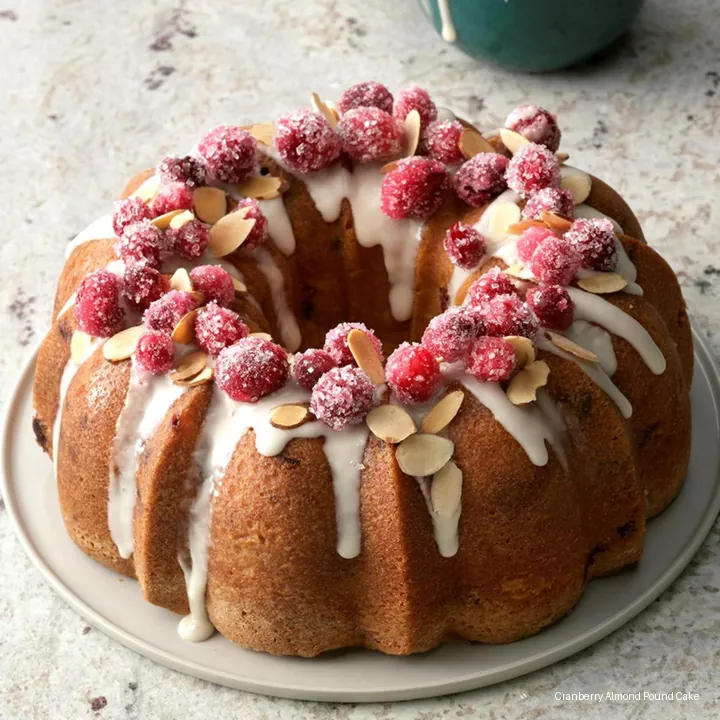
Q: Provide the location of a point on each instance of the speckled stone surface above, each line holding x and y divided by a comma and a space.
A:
91, 92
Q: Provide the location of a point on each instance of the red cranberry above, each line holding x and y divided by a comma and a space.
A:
342, 397
175, 196
448, 336
214, 283
366, 94
336, 344
532, 168
442, 138
187, 169
141, 243
97, 304
528, 242
552, 306
414, 188
595, 240
143, 285
164, 314
412, 373
251, 369
306, 142
508, 315
493, 282
369, 134
217, 328
129, 211
415, 98
491, 359
549, 199
230, 154
555, 262
155, 352
310, 366
465, 246
189, 241
536, 125
259, 234
481, 178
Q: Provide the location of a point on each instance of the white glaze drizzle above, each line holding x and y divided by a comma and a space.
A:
595, 339
101, 229
447, 27
279, 225
445, 529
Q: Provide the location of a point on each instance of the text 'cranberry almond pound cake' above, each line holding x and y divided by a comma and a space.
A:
366, 377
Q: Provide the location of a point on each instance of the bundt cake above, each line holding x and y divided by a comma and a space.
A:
224, 426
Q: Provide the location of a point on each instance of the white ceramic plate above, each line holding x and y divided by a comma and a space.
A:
118, 609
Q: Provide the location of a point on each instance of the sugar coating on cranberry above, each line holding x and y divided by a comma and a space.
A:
415, 98
310, 366
482, 178
251, 369
530, 239
217, 328
464, 245
415, 188
549, 199
595, 240
536, 125
214, 283
491, 359
336, 342
155, 352
488, 285
369, 134
141, 243
143, 285
190, 240
174, 196
366, 94
165, 313
186, 169
129, 211
305, 141
97, 304
230, 154
342, 397
552, 306
259, 233
532, 168
412, 373
505, 315
555, 261
448, 336
442, 139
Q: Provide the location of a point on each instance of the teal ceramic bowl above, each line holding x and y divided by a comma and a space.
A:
531, 35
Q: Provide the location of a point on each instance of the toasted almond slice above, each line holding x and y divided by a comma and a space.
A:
199, 297
565, 343
264, 133
555, 221
390, 423
561, 157
184, 332
180, 280
80, 347
411, 128
579, 185
525, 353
163, 221
148, 189
512, 141
423, 454
239, 285
324, 110
189, 366
229, 233
502, 217
524, 386
286, 417
443, 412
204, 376
122, 346
603, 283
261, 335
210, 204
517, 270
446, 490
261, 187
519, 228
472, 143
388, 167
366, 356
182, 219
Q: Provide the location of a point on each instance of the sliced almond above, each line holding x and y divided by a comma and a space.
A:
163, 221
446, 490
210, 204
184, 332
561, 157
180, 280
388, 167
472, 143
579, 185
239, 285
199, 297
80, 347
390, 423
411, 128
502, 217
366, 356
512, 141
524, 386
264, 133
148, 189
319, 106
261, 187
229, 233
204, 376
122, 346
524, 348
262, 336
602, 283
568, 345
286, 417
443, 412
423, 454
189, 366
519, 228
555, 222
182, 219
517, 270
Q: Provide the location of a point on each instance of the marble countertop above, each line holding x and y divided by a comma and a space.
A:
92, 92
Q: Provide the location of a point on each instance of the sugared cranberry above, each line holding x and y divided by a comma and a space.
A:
189, 241
595, 240
305, 141
448, 336
259, 233
251, 369
442, 138
493, 282
97, 304
414, 188
214, 283
508, 315
342, 397
491, 359
155, 352
552, 306
532, 168
481, 178
310, 366
464, 245
217, 328
230, 154
366, 94
536, 125
415, 98
175, 196
141, 243
336, 344
187, 169
412, 373
555, 261
549, 199
369, 134
528, 242
164, 314
129, 211
143, 285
